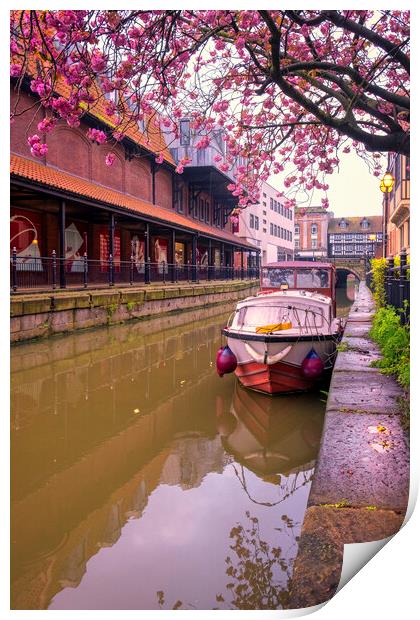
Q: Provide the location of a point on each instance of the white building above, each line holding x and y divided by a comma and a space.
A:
269, 225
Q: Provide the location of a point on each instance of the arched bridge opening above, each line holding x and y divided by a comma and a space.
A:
346, 267
343, 275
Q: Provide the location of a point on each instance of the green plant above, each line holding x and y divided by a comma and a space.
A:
378, 281
130, 305
394, 341
111, 309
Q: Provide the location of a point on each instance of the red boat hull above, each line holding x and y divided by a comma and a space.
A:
278, 378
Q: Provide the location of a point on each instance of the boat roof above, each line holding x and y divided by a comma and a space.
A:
299, 295
300, 263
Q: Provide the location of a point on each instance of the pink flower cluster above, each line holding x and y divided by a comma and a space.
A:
38, 149
110, 158
96, 135
47, 124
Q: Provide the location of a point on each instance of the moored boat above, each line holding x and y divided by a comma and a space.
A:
284, 338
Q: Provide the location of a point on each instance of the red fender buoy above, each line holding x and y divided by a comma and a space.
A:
226, 361
312, 365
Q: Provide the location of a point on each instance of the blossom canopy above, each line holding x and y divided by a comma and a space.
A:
292, 90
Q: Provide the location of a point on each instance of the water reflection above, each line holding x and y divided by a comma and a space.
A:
132, 463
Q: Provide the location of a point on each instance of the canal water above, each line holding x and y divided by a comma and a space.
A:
141, 480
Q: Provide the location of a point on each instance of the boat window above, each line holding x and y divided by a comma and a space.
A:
254, 316
277, 276
312, 278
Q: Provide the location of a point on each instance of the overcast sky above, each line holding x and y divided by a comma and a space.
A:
353, 190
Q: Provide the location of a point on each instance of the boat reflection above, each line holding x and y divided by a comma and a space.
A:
271, 436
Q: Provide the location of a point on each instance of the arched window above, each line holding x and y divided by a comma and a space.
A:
365, 224
314, 229
343, 224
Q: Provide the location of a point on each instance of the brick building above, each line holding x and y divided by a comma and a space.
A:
311, 232
136, 211
268, 225
396, 206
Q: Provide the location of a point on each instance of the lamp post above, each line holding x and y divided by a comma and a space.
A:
386, 186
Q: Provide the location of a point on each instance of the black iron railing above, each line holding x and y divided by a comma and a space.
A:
53, 272
397, 285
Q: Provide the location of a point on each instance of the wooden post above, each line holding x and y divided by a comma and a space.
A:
194, 258
14, 269
62, 233
111, 248
147, 255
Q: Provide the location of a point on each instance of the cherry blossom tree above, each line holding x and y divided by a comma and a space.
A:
292, 90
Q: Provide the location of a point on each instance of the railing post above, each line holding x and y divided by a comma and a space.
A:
111, 270
14, 269
85, 270
54, 269
388, 276
131, 269
402, 282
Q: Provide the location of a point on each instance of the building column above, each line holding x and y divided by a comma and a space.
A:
62, 235
111, 248
222, 259
172, 256
209, 262
194, 258
147, 254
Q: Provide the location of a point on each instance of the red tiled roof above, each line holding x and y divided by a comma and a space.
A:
53, 178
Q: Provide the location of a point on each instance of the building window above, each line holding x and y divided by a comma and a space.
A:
264, 212
264, 230
256, 223
271, 228
314, 243
185, 134
365, 224
251, 220
343, 224
265, 195
314, 229
296, 243
297, 229
271, 203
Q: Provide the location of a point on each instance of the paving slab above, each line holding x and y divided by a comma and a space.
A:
358, 330
363, 345
356, 361
363, 461
354, 391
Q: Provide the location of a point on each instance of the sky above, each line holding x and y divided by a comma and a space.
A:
353, 189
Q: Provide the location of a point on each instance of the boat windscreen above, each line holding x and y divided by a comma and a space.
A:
312, 278
276, 276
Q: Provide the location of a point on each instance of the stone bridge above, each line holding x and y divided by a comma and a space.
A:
347, 266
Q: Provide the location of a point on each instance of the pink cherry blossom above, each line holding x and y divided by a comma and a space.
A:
110, 158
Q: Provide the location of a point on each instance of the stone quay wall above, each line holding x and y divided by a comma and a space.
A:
40, 315
360, 488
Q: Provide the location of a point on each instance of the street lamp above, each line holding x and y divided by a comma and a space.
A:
386, 186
